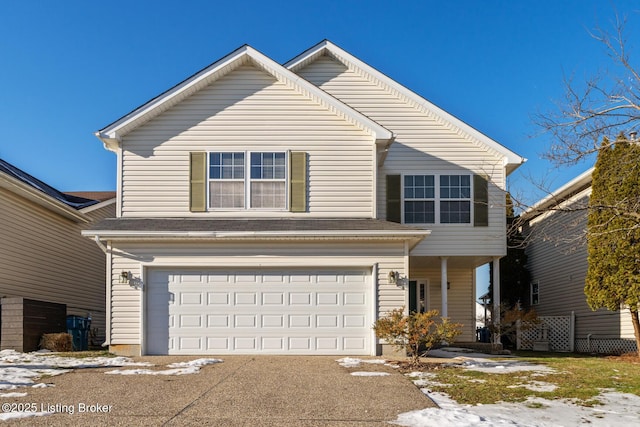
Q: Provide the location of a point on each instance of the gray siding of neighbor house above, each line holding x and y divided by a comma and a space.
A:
557, 260
43, 257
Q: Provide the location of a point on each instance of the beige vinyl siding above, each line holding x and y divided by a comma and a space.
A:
126, 299
247, 110
44, 257
424, 145
557, 260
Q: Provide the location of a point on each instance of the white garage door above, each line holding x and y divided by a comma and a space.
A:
270, 312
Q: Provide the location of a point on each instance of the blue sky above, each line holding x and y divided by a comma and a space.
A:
71, 67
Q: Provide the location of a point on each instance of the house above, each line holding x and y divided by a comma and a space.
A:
557, 260
47, 269
268, 208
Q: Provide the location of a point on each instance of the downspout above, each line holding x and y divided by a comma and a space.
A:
107, 325
100, 244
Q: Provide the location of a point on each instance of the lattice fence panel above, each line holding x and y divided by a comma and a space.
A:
558, 333
606, 346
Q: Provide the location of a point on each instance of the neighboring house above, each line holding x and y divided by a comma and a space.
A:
267, 208
557, 260
47, 269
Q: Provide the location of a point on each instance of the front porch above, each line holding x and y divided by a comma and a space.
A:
448, 284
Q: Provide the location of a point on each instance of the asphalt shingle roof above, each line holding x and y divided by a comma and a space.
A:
249, 225
74, 202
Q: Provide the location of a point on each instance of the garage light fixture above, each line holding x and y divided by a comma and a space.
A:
125, 276
395, 278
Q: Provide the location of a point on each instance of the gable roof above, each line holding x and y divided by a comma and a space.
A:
562, 194
39, 192
326, 47
111, 134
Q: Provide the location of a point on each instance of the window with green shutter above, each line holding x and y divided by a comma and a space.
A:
248, 180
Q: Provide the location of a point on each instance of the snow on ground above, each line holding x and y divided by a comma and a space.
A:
4, 416
369, 374
617, 409
354, 362
179, 368
24, 369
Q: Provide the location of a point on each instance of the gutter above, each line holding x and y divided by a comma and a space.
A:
101, 245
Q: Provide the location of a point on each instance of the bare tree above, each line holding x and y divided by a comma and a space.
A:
607, 104
596, 116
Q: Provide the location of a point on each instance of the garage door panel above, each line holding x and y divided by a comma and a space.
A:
245, 298
319, 312
218, 321
272, 321
218, 298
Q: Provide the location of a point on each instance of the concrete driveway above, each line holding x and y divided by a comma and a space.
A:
241, 391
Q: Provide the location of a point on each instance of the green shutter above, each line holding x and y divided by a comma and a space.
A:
480, 201
298, 181
394, 198
197, 182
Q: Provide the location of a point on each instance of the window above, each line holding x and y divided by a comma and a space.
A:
535, 293
419, 199
455, 199
268, 180
226, 180
450, 201
233, 185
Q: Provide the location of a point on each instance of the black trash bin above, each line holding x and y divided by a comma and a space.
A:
485, 335
78, 327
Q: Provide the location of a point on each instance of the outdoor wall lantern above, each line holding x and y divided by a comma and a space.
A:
125, 276
395, 278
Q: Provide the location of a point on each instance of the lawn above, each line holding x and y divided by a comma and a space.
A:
577, 377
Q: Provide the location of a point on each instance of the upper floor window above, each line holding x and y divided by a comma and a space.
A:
259, 185
449, 201
268, 180
455, 199
419, 199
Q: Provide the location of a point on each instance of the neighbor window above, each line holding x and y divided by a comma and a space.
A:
449, 201
235, 185
535, 293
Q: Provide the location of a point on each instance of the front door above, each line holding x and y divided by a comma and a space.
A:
418, 296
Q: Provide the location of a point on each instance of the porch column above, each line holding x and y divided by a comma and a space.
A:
495, 316
443, 285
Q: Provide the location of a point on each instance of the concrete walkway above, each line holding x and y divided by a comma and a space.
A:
241, 391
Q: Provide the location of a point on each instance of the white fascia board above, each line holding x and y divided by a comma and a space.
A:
512, 159
293, 235
41, 199
112, 134
98, 205
561, 194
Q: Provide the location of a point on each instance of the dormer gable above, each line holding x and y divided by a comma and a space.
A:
326, 48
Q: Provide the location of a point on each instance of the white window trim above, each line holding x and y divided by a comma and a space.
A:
437, 199
247, 181
531, 293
